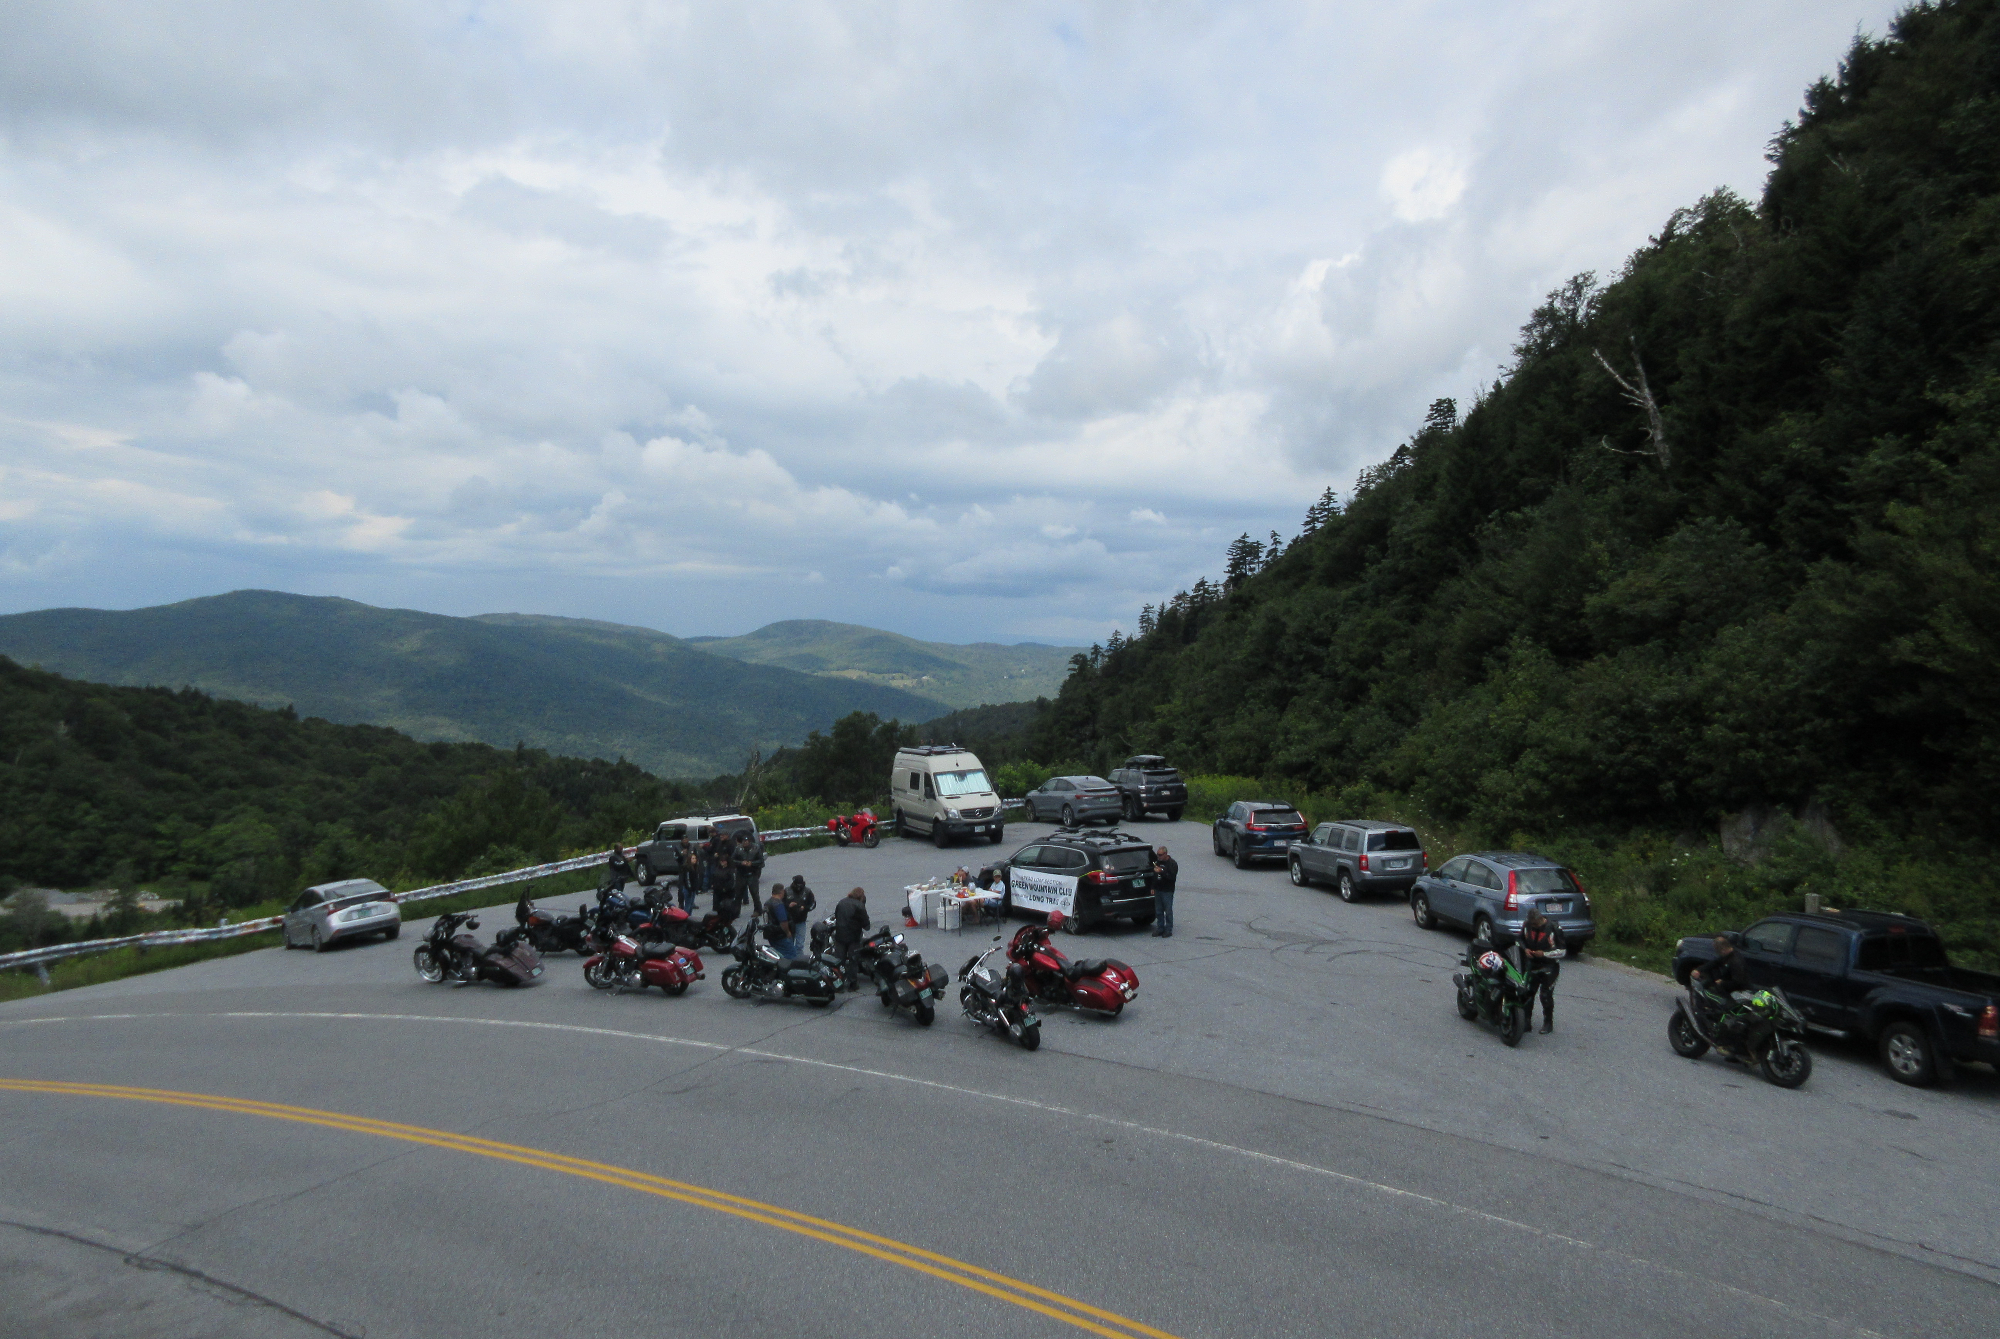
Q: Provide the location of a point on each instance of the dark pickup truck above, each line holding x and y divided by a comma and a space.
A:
1150, 786
1875, 975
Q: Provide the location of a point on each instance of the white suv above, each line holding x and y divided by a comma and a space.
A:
942, 790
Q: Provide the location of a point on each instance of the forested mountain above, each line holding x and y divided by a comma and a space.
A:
957, 676
1726, 533
178, 788
570, 686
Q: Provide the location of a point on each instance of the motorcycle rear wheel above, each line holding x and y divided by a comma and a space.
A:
1513, 1022
819, 1001
673, 992
1786, 1065
1681, 1035
733, 984
925, 1015
428, 967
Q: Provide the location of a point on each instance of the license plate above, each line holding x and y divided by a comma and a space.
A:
1559, 908
535, 972
1138, 883
1398, 864
980, 828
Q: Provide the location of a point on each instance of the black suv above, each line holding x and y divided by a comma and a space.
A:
1359, 856
1150, 785
1257, 830
1089, 876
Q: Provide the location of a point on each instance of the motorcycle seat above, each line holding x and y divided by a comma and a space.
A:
650, 952
1082, 969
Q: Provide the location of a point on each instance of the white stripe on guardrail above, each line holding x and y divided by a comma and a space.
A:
39, 957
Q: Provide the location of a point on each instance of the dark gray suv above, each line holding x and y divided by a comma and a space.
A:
1493, 890
1359, 856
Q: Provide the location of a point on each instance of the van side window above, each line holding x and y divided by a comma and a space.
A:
914, 783
930, 791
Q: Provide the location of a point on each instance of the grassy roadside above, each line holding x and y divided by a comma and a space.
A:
1648, 889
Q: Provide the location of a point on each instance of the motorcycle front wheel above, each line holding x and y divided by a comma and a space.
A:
428, 967
1466, 1008
1512, 1024
1787, 1064
872, 840
733, 984
1681, 1035
1030, 1037
598, 974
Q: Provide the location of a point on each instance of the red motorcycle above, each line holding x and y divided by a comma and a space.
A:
627, 965
857, 829
1101, 986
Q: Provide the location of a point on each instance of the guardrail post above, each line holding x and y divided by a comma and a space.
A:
1812, 904
42, 971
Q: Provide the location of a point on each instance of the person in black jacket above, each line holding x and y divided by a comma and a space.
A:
747, 858
1539, 938
1166, 870
850, 925
1723, 977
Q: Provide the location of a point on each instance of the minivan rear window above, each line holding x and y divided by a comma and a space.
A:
1128, 862
1277, 818
1394, 841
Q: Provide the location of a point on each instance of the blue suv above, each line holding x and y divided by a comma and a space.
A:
1258, 830
1494, 891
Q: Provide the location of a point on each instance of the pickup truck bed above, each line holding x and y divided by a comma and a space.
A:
1874, 975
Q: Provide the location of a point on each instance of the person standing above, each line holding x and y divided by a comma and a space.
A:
1539, 938
690, 875
748, 858
1166, 870
778, 926
850, 924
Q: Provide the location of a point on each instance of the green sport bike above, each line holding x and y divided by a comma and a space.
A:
1497, 987
1759, 1028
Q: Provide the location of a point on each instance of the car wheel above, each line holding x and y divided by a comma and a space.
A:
940, 838
1236, 851
1298, 873
391, 933
1347, 893
288, 937
901, 828
644, 869
1420, 909
1907, 1052
318, 940
1173, 815
994, 839
1215, 836
1068, 817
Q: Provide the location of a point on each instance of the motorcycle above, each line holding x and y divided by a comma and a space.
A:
857, 829
1101, 986
759, 973
626, 964
995, 995
1758, 1028
550, 933
1498, 987
451, 950
902, 981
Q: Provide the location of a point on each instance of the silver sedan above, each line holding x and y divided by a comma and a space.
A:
1071, 800
327, 913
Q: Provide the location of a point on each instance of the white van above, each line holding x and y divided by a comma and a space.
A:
942, 790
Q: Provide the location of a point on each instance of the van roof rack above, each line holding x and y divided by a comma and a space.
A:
930, 750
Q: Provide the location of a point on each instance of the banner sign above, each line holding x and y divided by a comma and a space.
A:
1036, 890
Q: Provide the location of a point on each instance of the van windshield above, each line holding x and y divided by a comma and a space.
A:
952, 784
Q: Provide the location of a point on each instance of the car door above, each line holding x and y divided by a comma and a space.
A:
1477, 892
1348, 858
1446, 899
295, 929
1313, 857
1814, 975
1764, 947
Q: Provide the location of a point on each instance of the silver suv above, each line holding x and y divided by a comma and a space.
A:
1494, 890
1359, 856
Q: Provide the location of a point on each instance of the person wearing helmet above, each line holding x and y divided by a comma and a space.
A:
1539, 938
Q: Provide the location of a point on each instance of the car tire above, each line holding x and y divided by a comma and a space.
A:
1237, 855
902, 829
940, 838
391, 933
1909, 1055
1420, 910
1300, 879
1347, 893
287, 932
318, 941
997, 834
1173, 815
1215, 836
1068, 817
644, 869
1141, 922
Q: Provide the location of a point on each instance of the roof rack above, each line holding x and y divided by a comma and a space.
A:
1100, 835
930, 750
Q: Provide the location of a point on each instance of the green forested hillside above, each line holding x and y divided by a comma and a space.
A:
240, 803
570, 686
957, 676
1725, 535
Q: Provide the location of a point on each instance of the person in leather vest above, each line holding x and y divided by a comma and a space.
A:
1539, 938
850, 923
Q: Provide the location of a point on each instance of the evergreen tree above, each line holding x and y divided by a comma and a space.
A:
1320, 512
1244, 558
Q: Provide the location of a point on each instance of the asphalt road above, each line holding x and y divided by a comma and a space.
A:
1291, 1132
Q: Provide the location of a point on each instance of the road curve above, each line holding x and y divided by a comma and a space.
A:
1290, 1133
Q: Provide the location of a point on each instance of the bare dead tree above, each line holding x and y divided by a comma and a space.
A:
1641, 397
753, 768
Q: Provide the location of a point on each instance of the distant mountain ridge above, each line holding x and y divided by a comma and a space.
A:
578, 687
956, 676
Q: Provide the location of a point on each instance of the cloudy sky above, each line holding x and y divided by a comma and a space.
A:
973, 321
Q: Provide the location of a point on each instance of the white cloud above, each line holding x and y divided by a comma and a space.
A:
966, 320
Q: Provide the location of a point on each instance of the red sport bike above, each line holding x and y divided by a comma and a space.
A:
857, 829
1101, 986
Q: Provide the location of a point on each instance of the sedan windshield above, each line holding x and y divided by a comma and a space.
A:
952, 784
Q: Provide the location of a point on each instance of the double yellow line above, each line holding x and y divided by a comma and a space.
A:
1052, 1304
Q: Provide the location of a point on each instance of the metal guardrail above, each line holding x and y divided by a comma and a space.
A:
39, 958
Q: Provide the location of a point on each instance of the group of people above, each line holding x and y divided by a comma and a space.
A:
729, 869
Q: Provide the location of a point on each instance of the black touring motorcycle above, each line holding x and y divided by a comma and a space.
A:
450, 950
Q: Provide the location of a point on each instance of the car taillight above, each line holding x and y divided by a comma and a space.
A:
1253, 827
1364, 862
1513, 902
1100, 876
1989, 1022
1423, 860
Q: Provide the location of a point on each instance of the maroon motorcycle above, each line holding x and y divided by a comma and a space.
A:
1101, 986
857, 829
629, 965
